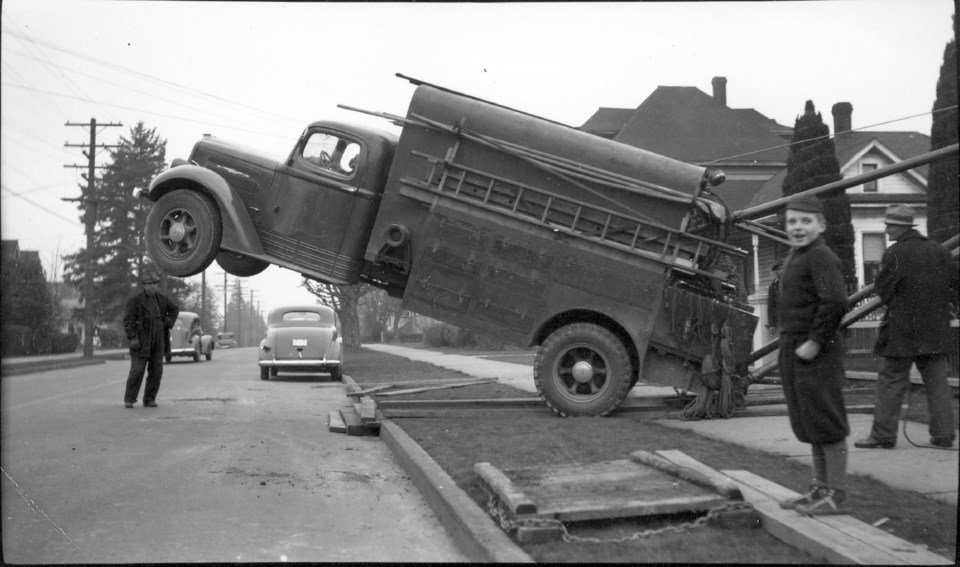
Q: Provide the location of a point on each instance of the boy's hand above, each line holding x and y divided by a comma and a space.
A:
808, 350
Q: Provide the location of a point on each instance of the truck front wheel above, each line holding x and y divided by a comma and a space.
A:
184, 229
583, 370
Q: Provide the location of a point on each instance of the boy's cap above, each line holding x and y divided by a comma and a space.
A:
149, 277
899, 214
805, 204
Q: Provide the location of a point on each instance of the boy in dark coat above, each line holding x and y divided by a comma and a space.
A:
147, 321
917, 281
812, 303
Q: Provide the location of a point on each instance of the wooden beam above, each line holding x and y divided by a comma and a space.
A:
504, 489
427, 389
835, 539
692, 470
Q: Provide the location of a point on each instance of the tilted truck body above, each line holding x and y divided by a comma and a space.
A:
490, 219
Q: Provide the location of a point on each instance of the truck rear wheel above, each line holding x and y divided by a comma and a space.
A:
184, 229
583, 370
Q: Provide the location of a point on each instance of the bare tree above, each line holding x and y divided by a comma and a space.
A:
345, 300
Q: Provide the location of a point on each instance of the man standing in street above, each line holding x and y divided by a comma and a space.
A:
147, 322
917, 282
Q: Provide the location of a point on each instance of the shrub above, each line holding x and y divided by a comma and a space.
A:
63, 342
111, 337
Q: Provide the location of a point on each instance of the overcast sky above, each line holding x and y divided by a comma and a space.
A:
257, 73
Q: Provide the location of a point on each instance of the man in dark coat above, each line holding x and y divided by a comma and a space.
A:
917, 282
773, 298
147, 322
812, 303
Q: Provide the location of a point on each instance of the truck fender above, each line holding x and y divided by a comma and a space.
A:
239, 234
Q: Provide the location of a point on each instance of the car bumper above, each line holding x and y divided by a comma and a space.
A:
273, 363
183, 351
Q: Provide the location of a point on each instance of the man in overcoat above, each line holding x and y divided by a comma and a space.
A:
917, 282
147, 322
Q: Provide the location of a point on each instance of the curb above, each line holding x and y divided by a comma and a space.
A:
474, 532
31, 367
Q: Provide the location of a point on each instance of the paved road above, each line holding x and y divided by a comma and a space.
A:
228, 468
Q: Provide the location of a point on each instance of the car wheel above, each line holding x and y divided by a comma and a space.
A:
167, 358
240, 265
335, 374
196, 355
274, 371
264, 373
583, 370
184, 230
209, 354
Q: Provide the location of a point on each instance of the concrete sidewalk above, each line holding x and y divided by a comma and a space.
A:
930, 471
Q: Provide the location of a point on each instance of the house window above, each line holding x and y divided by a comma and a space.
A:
874, 245
869, 186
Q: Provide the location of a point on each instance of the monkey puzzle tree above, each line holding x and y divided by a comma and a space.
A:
812, 162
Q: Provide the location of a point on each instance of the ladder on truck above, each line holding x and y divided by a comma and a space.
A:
456, 182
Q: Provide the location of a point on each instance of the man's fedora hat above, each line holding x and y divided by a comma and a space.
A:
899, 214
149, 277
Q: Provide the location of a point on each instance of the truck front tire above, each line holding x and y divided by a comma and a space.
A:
184, 229
583, 370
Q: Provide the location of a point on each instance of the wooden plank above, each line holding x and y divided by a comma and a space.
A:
413, 383
723, 487
724, 484
354, 426
335, 423
428, 388
367, 391
514, 498
609, 489
368, 410
820, 537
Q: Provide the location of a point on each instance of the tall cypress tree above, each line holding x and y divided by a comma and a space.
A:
812, 162
119, 250
943, 208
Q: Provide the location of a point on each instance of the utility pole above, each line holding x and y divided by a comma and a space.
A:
253, 338
90, 217
225, 302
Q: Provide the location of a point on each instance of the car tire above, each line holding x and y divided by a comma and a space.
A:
183, 232
583, 370
240, 265
264, 373
167, 358
335, 375
196, 355
209, 354
274, 371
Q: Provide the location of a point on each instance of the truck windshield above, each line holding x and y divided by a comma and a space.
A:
331, 153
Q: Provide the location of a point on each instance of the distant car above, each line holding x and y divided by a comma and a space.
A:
187, 338
301, 338
226, 340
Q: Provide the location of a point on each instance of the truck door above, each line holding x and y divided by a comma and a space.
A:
312, 199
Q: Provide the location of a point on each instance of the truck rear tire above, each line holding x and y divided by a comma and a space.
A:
583, 370
184, 229
240, 265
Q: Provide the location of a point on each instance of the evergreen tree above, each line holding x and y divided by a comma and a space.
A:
812, 162
26, 313
119, 248
943, 208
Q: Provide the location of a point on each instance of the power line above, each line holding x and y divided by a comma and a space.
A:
39, 206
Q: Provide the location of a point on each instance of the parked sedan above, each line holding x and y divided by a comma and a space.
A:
188, 339
301, 338
226, 340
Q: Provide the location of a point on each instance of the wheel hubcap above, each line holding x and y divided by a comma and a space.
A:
582, 372
177, 232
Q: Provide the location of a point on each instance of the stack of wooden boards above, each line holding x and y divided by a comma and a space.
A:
362, 417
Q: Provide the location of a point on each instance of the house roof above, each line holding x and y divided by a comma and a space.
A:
904, 145
607, 122
687, 124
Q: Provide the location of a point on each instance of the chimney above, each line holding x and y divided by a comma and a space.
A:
720, 90
842, 111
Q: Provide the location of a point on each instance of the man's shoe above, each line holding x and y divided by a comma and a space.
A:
127, 404
830, 503
807, 497
871, 443
941, 442
149, 404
